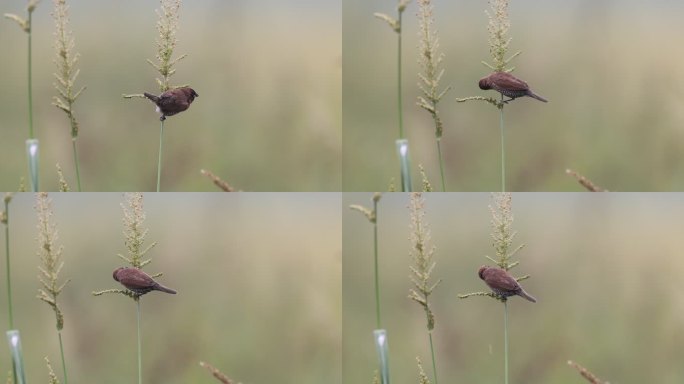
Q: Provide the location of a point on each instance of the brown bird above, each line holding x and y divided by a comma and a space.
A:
173, 101
138, 281
502, 283
508, 85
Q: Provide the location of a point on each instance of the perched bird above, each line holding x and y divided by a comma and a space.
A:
138, 281
508, 85
173, 101
502, 283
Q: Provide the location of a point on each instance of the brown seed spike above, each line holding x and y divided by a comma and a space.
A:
502, 283
508, 85
138, 281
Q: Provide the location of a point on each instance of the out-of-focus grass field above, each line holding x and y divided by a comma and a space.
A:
268, 117
611, 70
606, 270
258, 280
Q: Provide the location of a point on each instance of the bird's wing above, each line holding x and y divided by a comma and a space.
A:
165, 96
138, 280
506, 281
510, 82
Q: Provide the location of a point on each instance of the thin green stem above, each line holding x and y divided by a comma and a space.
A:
7, 267
503, 150
161, 137
78, 173
137, 302
434, 363
375, 258
441, 163
505, 342
399, 92
30, 80
61, 351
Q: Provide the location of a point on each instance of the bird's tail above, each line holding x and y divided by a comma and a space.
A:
164, 289
153, 98
527, 296
529, 93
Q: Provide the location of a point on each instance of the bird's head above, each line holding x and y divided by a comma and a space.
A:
190, 94
481, 271
115, 275
484, 83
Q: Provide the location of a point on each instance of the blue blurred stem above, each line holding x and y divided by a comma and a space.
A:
14, 340
405, 163
33, 152
380, 336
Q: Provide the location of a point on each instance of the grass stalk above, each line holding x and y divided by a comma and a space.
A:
400, 101
422, 254
396, 26
375, 260
78, 172
61, 351
218, 375
134, 237
505, 342
161, 142
372, 216
405, 164
502, 236
431, 73
441, 163
66, 75
7, 263
32, 143
5, 220
434, 363
51, 264
30, 78
137, 302
503, 148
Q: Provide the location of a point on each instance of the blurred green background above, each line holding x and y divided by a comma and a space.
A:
268, 117
606, 269
611, 70
258, 279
